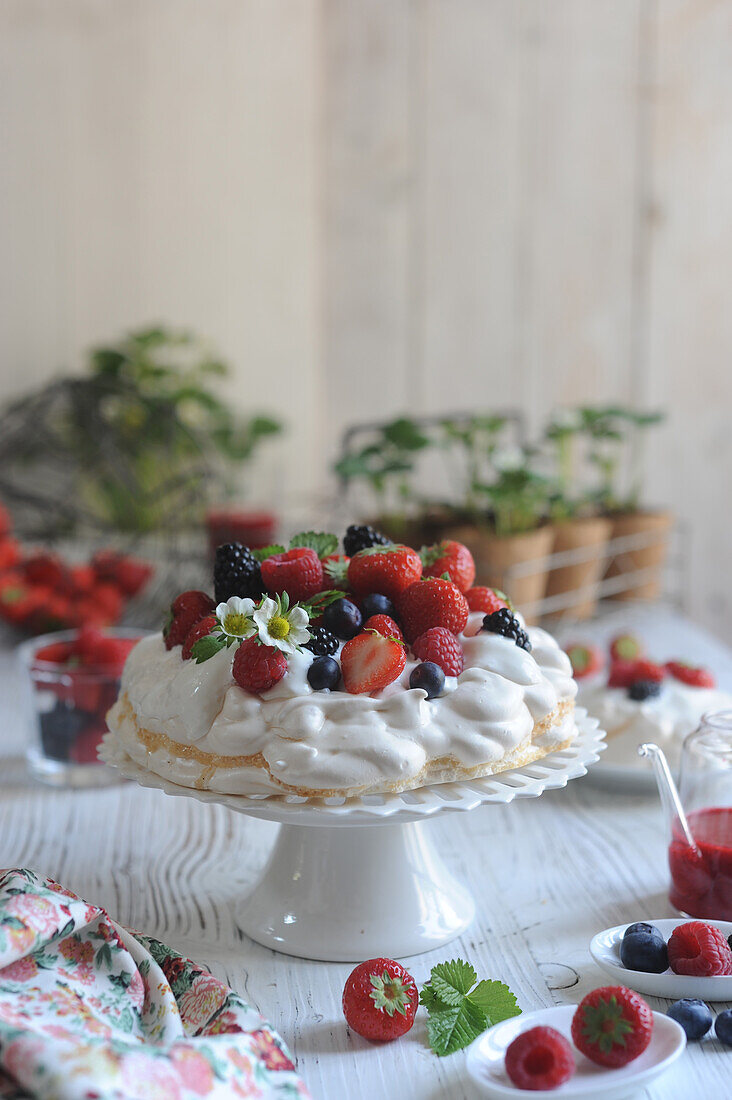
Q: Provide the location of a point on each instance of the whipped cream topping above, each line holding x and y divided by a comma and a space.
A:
324, 740
666, 718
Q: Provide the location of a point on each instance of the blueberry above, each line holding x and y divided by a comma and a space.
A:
642, 926
343, 619
59, 729
645, 952
376, 604
429, 677
644, 689
693, 1015
723, 1027
324, 673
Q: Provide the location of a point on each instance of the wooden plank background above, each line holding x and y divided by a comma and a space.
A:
379, 205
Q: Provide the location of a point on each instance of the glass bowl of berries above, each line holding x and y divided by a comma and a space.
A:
72, 679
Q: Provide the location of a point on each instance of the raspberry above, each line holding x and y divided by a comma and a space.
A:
297, 572
699, 949
385, 625
257, 668
199, 630
539, 1059
485, 599
440, 646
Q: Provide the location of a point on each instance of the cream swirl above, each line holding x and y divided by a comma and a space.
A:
324, 740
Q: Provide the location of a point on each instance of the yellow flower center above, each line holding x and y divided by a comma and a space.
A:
278, 626
235, 623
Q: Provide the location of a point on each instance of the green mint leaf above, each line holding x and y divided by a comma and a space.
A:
451, 1029
265, 552
207, 647
452, 980
322, 542
496, 1000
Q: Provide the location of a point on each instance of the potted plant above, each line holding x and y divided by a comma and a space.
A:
511, 539
646, 530
580, 531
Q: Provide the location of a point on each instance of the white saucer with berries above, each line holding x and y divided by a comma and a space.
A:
607, 949
486, 1058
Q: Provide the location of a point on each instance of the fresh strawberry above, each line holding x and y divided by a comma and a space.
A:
9, 554
539, 1059
387, 570
129, 574
109, 600
625, 673
380, 999
44, 568
452, 558
112, 653
691, 675
585, 659
385, 625
199, 630
81, 578
485, 599
56, 653
257, 668
626, 647
442, 647
612, 1026
19, 601
699, 949
335, 571
185, 611
432, 602
370, 662
297, 572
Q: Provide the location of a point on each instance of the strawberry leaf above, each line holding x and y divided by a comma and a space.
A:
322, 542
452, 980
265, 552
207, 647
451, 1029
496, 1000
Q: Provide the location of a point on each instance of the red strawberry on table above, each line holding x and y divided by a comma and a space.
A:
438, 644
380, 999
9, 553
297, 572
699, 949
626, 647
691, 675
452, 558
385, 625
585, 659
612, 1026
485, 599
388, 570
539, 1059
432, 602
370, 662
199, 630
186, 609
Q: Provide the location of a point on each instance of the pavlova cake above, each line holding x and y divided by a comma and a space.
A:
320, 673
636, 699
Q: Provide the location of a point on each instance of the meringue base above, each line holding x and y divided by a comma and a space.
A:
190, 766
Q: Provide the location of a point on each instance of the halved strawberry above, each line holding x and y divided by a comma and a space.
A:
626, 647
691, 675
585, 659
370, 662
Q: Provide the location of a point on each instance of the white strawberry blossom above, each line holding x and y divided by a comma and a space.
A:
281, 626
235, 617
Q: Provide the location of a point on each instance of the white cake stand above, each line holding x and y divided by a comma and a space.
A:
339, 890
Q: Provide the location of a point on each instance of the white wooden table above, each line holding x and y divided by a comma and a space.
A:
547, 874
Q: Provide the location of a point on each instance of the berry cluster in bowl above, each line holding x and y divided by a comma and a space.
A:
629, 668
75, 678
359, 612
696, 949
39, 591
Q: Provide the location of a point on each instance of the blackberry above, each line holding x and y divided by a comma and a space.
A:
644, 689
322, 643
359, 538
504, 622
236, 573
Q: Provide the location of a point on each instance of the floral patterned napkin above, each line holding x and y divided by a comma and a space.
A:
90, 1011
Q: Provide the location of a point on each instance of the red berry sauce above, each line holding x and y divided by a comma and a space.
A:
701, 882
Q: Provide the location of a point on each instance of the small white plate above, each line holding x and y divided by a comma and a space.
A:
486, 1056
605, 950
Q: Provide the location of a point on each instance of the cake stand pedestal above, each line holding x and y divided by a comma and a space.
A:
338, 889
